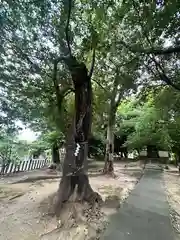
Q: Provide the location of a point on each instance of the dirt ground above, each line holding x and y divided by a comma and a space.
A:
172, 184
26, 205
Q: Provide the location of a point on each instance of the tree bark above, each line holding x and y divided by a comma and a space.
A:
152, 151
116, 96
55, 157
55, 154
109, 155
177, 159
75, 179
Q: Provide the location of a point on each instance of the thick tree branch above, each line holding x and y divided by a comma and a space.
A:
67, 26
100, 85
60, 94
114, 102
117, 101
151, 50
56, 86
68, 91
163, 76
163, 51
92, 63
155, 51
168, 81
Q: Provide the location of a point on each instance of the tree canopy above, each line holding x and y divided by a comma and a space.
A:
134, 48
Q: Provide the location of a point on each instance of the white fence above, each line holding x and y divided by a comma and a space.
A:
162, 154
24, 165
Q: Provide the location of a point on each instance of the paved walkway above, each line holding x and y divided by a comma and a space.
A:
145, 215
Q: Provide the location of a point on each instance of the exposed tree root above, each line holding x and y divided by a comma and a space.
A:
55, 166
77, 189
77, 221
80, 215
109, 169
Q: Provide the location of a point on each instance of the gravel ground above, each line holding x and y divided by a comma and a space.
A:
24, 206
172, 185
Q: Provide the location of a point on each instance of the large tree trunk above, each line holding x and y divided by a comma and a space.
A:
109, 155
75, 179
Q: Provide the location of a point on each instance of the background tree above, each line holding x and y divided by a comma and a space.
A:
156, 37
151, 121
11, 149
48, 56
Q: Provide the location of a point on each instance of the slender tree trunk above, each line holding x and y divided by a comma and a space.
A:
55, 157
178, 160
125, 151
109, 155
152, 151
55, 154
75, 179
116, 96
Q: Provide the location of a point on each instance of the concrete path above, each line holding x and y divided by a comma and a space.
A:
145, 215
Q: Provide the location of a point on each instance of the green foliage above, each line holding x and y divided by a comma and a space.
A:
12, 150
169, 101
33, 35
46, 142
153, 121
150, 129
96, 146
7, 152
